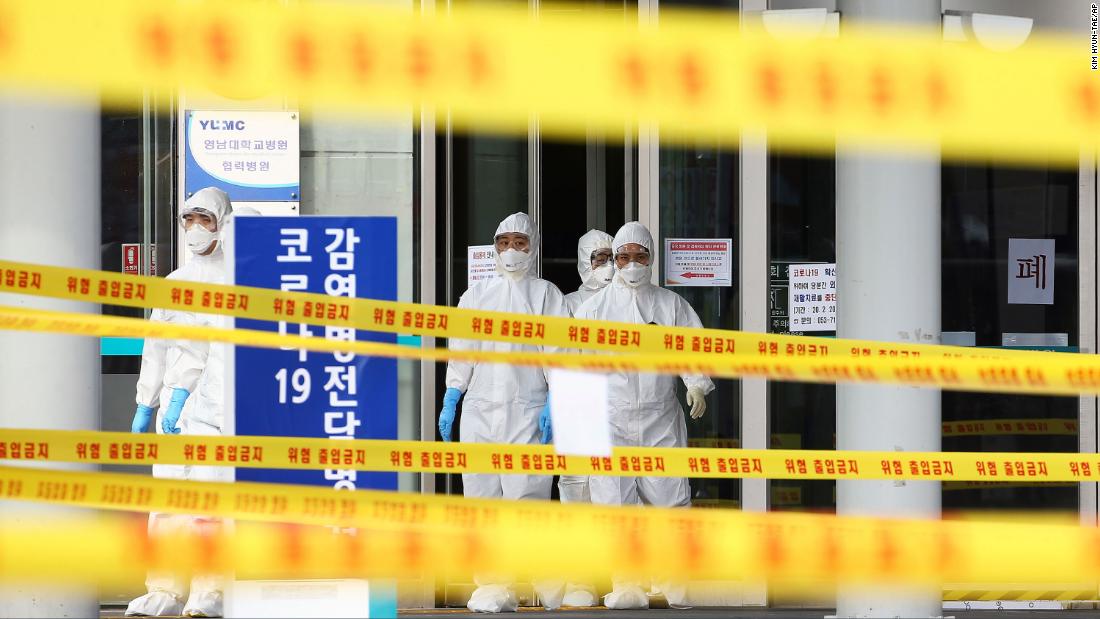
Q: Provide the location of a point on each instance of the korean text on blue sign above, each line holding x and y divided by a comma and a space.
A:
300, 393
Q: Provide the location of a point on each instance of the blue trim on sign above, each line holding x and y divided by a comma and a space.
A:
118, 346
412, 341
382, 598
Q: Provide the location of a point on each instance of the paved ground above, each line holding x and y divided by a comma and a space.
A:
715, 613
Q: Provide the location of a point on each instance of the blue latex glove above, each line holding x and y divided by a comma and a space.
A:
142, 417
544, 424
447, 415
172, 414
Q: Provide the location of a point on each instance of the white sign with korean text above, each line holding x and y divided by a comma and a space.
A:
481, 263
251, 155
812, 297
699, 262
1031, 271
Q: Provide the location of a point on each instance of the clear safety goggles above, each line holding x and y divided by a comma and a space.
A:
626, 257
197, 211
600, 257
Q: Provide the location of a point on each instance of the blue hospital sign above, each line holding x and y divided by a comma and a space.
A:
339, 396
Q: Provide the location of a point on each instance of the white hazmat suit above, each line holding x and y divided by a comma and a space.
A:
502, 403
170, 365
574, 488
643, 408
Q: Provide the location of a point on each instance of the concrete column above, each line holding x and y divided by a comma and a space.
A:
49, 213
888, 289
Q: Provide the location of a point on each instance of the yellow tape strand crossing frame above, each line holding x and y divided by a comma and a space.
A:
405, 534
415, 456
698, 75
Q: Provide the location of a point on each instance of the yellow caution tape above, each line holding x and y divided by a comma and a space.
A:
988, 592
1043, 373
449, 322
698, 75
403, 534
416, 456
1010, 427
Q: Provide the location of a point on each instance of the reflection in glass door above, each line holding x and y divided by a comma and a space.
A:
699, 200
984, 207
802, 216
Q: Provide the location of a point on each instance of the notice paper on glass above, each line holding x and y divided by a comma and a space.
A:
578, 410
481, 264
1031, 271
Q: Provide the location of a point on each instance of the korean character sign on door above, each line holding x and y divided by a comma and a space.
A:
339, 395
1031, 271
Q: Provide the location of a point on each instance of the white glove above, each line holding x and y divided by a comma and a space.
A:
697, 401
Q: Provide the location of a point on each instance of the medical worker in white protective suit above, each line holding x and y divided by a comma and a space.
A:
596, 268
170, 374
503, 403
642, 407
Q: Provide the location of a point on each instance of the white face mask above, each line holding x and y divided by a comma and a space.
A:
599, 277
634, 274
513, 260
199, 239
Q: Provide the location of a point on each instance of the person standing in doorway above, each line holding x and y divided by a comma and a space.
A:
170, 373
643, 408
503, 403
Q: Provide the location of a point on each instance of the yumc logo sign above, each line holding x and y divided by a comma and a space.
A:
211, 124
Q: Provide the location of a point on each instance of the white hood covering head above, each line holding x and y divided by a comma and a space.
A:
633, 232
634, 274
211, 200
519, 223
589, 243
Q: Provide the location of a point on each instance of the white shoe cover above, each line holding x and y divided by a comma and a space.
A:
155, 604
204, 604
676, 594
550, 592
627, 597
493, 599
581, 596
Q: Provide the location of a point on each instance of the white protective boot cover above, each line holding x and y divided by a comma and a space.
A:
493, 599
581, 596
155, 604
627, 596
204, 604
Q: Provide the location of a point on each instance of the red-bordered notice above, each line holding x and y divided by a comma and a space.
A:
698, 262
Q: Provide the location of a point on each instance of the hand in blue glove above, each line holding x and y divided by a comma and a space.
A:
142, 417
544, 424
447, 415
172, 413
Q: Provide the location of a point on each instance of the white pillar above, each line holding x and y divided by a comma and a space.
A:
888, 289
49, 213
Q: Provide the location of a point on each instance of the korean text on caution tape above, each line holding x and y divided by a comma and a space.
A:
416, 456
448, 322
1039, 373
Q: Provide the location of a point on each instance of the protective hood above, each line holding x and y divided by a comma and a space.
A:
634, 274
519, 223
212, 200
633, 232
590, 242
